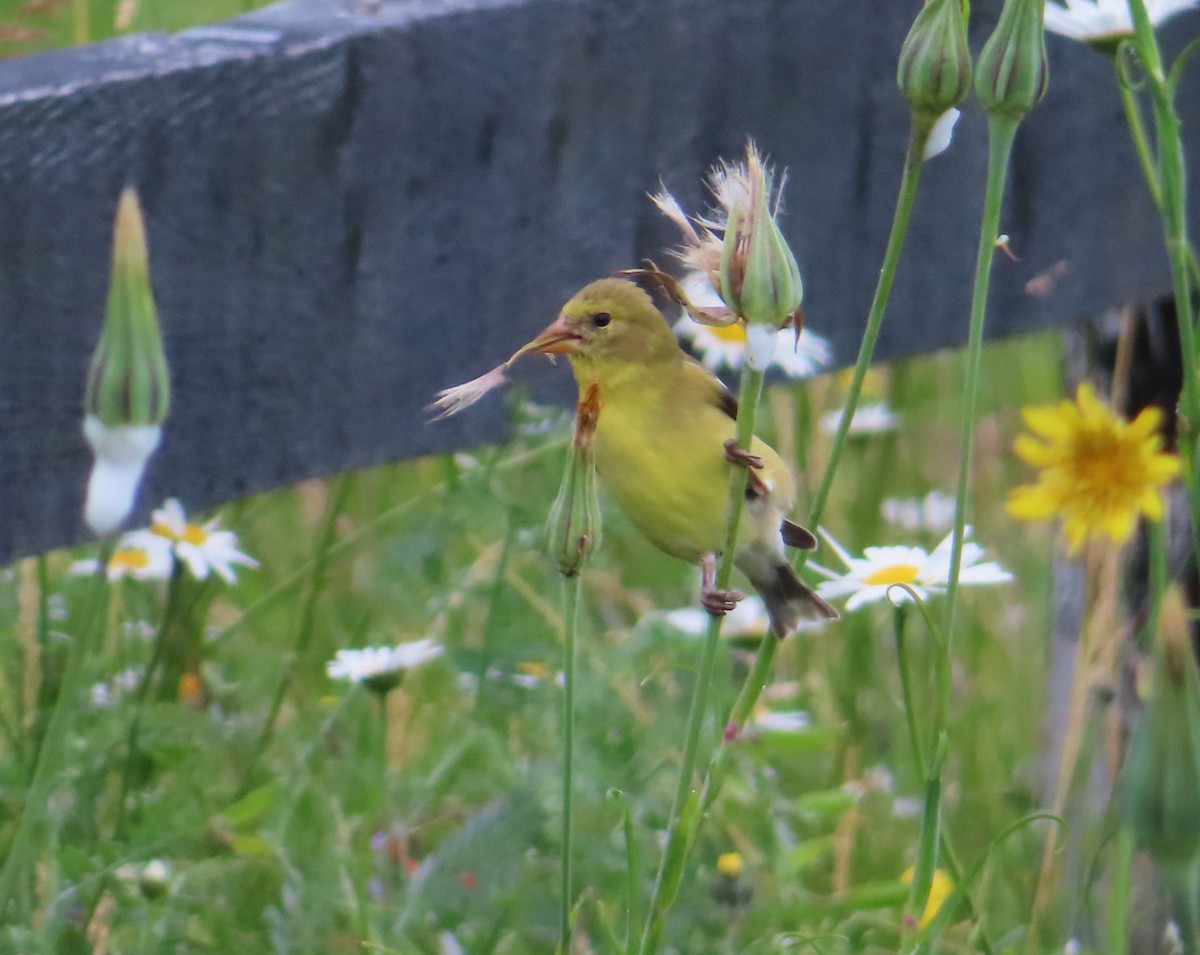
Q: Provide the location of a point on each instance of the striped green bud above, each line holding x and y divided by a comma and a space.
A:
760, 280
127, 382
1011, 73
573, 529
934, 71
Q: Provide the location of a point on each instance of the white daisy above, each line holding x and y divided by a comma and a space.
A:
873, 418
933, 512
141, 558
874, 576
380, 669
747, 619
724, 347
202, 547
1094, 21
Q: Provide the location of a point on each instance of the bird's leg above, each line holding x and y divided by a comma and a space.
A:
752, 462
716, 602
736, 455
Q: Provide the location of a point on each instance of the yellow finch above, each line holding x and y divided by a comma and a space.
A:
664, 445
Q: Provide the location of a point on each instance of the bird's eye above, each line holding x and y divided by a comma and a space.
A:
600, 319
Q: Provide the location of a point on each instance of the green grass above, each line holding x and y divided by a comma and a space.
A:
276, 854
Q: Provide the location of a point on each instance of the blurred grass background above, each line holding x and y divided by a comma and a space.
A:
322, 846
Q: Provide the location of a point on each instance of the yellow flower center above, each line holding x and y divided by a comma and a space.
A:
734, 333
536, 670
192, 533
730, 864
130, 558
893, 574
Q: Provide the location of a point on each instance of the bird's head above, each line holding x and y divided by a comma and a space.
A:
606, 325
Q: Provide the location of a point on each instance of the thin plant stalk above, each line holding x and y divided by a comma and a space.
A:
1001, 133
135, 724
679, 836
910, 709
1172, 182
49, 757
306, 625
909, 179
1119, 894
571, 587
761, 670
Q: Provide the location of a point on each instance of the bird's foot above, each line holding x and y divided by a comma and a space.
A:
736, 455
720, 602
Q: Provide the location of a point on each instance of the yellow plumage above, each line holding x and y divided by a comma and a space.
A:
660, 444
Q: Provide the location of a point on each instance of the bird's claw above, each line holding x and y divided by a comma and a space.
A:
720, 602
736, 455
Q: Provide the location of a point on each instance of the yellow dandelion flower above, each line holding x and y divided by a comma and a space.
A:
730, 864
939, 890
1098, 472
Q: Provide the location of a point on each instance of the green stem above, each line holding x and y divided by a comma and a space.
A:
41, 786
913, 161
491, 622
670, 870
910, 708
1173, 208
571, 587
761, 670
1001, 132
143, 690
306, 625
1119, 894
1137, 130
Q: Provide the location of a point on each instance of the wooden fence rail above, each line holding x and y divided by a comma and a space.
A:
351, 204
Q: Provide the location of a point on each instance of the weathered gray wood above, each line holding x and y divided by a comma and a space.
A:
351, 204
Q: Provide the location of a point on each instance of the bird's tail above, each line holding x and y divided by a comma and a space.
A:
788, 599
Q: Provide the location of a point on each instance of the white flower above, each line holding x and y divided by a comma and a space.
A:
874, 576
121, 453
780, 721
873, 418
203, 547
725, 346
933, 512
940, 134
145, 557
381, 668
747, 619
1099, 20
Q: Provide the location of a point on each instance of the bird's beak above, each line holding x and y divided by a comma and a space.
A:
557, 338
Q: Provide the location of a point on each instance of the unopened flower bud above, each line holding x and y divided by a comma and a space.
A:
760, 279
934, 72
1160, 783
1011, 74
128, 388
573, 527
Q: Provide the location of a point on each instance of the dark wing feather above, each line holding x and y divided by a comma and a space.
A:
796, 536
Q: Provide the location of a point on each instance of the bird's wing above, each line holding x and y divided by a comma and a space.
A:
796, 536
710, 388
